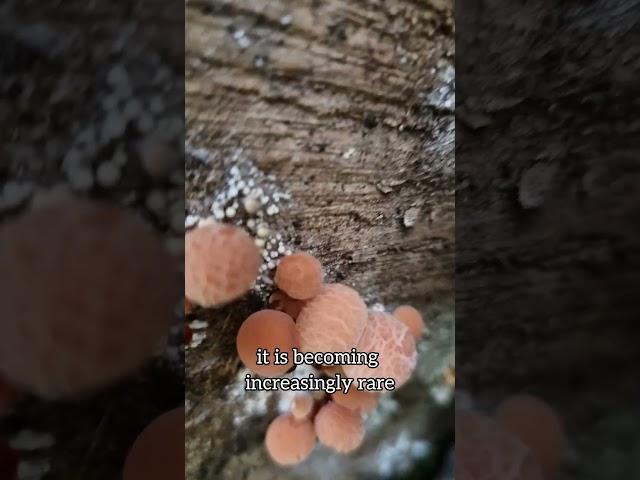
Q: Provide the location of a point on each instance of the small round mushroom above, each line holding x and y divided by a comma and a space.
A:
158, 452
300, 276
267, 329
537, 426
411, 318
221, 263
485, 450
358, 400
88, 296
392, 339
290, 441
339, 428
283, 302
302, 406
333, 320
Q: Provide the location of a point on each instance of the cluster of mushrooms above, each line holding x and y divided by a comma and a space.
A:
221, 265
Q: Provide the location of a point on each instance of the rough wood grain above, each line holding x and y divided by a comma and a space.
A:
333, 99
336, 112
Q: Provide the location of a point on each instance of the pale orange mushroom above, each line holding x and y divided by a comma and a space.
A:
339, 428
333, 320
267, 329
221, 264
536, 424
299, 275
391, 338
290, 441
283, 302
158, 452
359, 400
411, 318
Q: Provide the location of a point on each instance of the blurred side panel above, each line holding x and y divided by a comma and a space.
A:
547, 272
91, 239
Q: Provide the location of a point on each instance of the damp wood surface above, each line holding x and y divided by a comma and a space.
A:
332, 99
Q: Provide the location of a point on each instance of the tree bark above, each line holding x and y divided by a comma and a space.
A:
349, 106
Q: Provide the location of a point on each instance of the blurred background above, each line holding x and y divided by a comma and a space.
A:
91, 109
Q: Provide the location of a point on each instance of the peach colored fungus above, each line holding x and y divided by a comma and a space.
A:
283, 302
339, 428
392, 339
300, 276
333, 320
411, 318
267, 329
221, 263
290, 441
358, 400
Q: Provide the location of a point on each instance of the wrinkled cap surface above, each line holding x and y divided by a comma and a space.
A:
391, 338
221, 263
411, 318
300, 276
333, 320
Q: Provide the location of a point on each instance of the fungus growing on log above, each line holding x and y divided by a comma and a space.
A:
333, 320
339, 428
411, 318
392, 339
267, 329
300, 276
290, 441
221, 263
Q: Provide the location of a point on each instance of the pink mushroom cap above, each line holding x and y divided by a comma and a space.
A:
339, 428
267, 329
221, 263
290, 441
300, 276
411, 318
391, 338
333, 320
